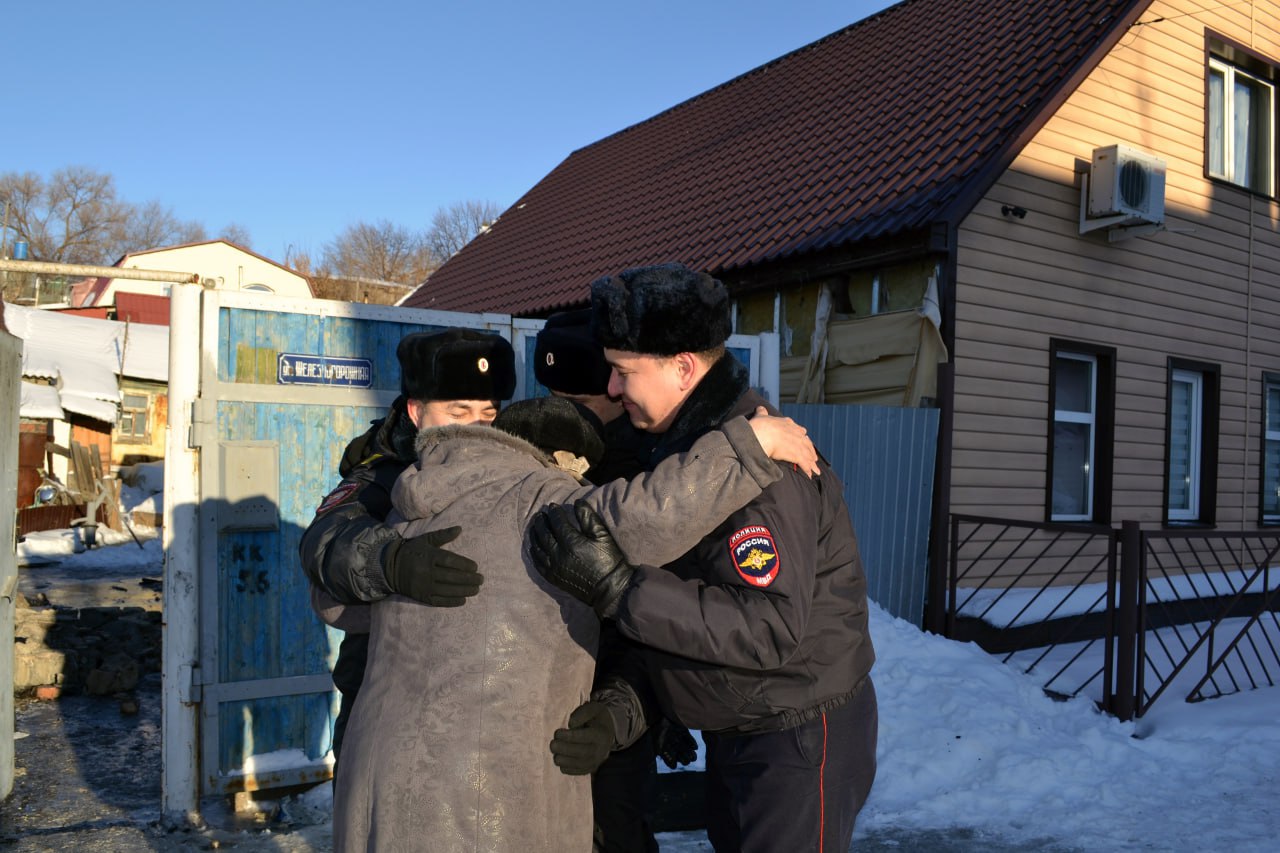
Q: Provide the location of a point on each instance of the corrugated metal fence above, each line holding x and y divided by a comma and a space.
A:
885, 457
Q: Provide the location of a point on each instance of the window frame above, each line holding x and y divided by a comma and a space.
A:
1194, 380
1269, 381
133, 437
1103, 394
1208, 416
1232, 58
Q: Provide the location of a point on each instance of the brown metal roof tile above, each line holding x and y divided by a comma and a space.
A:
883, 127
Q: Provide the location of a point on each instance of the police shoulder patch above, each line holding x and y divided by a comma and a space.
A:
336, 497
755, 555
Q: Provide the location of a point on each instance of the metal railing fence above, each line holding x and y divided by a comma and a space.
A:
1208, 607
1130, 614
1043, 572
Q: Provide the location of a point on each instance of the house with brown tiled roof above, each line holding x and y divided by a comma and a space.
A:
1083, 195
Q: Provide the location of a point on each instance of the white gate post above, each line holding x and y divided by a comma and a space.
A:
10, 395
180, 787
771, 367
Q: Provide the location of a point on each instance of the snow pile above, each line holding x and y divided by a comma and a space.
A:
1006, 608
968, 742
142, 491
67, 548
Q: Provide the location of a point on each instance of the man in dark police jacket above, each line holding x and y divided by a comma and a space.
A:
758, 636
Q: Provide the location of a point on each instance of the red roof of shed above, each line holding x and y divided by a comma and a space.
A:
150, 308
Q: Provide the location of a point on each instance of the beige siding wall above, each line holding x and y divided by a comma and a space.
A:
1206, 289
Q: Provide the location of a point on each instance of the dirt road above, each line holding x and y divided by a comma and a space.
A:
88, 768
88, 778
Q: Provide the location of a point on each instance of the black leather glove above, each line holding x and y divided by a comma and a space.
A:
675, 745
581, 748
422, 570
585, 563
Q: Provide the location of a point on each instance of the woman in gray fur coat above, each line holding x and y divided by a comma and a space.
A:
447, 747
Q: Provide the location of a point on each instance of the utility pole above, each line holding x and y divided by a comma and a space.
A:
4, 248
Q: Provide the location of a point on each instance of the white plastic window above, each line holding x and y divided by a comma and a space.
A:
1074, 431
1241, 127
1186, 408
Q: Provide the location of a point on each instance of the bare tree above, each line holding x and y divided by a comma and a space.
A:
455, 226
299, 260
68, 218
76, 216
234, 232
382, 251
150, 226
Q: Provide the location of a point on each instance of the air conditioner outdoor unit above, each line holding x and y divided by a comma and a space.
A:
1126, 182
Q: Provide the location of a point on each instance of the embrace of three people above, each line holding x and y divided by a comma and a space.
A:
540, 601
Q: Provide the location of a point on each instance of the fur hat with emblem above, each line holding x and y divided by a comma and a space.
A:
457, 364
566, 358
660, 310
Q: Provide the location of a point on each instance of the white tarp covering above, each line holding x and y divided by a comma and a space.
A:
92, 407
87, 357
40, 401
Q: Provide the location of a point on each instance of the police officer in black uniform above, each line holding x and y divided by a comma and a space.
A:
569, 363
757, 637
351, 558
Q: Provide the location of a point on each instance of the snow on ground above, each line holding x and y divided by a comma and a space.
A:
141, 490
1005, 608
969, 743
69, 549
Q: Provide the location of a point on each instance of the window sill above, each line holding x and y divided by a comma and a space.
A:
1223, 182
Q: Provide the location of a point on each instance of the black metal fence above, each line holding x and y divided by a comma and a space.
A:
1126, 615
1207, 614
1016, 586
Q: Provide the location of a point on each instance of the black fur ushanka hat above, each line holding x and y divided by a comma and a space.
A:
660, 310
457, 364
554, 423
566, 358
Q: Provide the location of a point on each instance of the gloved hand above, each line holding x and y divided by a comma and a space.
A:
674, 744
585, 563
422, 570
581, 748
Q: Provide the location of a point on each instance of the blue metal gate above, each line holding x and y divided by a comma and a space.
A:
285, 385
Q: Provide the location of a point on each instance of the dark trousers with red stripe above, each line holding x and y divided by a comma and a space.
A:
798, 789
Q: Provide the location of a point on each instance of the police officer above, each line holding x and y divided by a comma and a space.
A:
569, 363
758, 636
453, 377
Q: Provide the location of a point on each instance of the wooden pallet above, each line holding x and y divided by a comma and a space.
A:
86, 479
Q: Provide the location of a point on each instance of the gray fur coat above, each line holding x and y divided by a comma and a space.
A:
447, 747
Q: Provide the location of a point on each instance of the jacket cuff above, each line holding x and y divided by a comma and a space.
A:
375, 573
625, 709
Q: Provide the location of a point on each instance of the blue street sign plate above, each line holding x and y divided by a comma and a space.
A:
298, 369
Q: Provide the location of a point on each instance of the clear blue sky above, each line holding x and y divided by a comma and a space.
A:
296, 119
